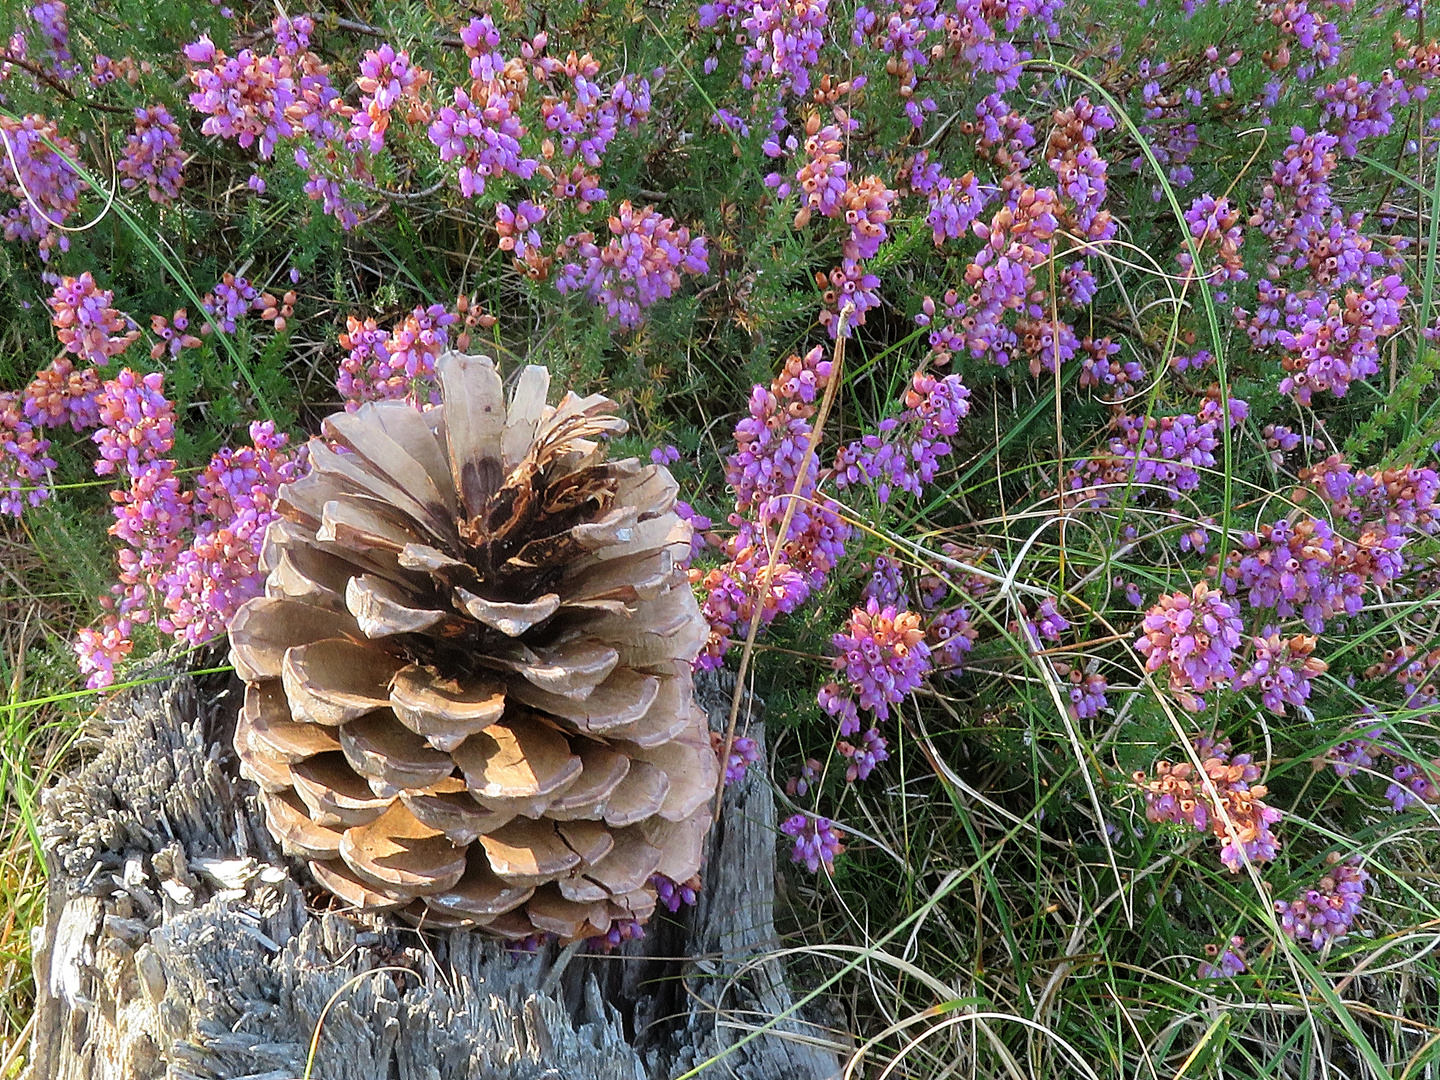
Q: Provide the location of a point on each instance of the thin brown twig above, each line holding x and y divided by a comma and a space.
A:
326, 20
406, 196
6, 56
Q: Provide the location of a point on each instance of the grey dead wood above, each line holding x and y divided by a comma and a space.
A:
179, 942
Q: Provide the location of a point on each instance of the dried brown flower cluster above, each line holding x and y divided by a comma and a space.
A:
469, 686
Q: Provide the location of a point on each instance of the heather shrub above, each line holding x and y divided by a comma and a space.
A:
1051, 387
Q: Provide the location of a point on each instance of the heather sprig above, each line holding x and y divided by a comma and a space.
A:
1224, 961
1282, 670
284, 96
1325, 913
152, 156
770, 445
817, 841
1193, 638
383, 365
640, 263
25, 463
883, 654
233, 503
86, 322
905, 452
1222, 797
39, 181
191, 556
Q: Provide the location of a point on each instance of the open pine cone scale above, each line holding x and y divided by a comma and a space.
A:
469, 689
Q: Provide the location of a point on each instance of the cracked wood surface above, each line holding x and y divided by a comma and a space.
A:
179, 942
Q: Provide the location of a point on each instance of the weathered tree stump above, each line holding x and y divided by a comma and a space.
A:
178, 941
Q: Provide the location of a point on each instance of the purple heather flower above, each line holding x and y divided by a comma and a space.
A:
1306, 569
221, 568
152, 514
1194, 637
885, 583
190, 558
1338, 342
1079, 169
1325, 913
86, 322
770, 445
980, 39
385, 77
44, 188
621, 931
1049, 623
954, 203
1086, 693
1195, 361
1214, 224
848, 285
699, 523
518, 228
1355, 755
138, 423
385, 365
950, 636
782, 41
246, 98
152, 155
1078, 285
104, 70
817, 840
59, 394
1133, 596
883, 655
231, 298
263, 100
1195, 536
799, 786
1168, 451
1411, 785
839, 704
863, 758
744, 752
1404, 497
1282, 671
1360, 110
1017, 241
24, 459
672, 894
1100, 370
731, 121
822, 178
52, 20
866, 209
1279, 440
1224, 961
906, 452
641, 264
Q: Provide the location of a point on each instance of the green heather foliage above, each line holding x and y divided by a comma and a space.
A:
1096, 630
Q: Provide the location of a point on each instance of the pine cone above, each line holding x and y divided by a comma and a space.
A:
469, 693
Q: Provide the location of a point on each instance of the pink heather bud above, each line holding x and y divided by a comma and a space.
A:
200, 52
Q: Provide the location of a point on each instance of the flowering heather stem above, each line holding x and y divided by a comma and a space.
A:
1325, 913
763, 584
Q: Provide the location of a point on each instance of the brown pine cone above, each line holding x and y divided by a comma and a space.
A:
469, 693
